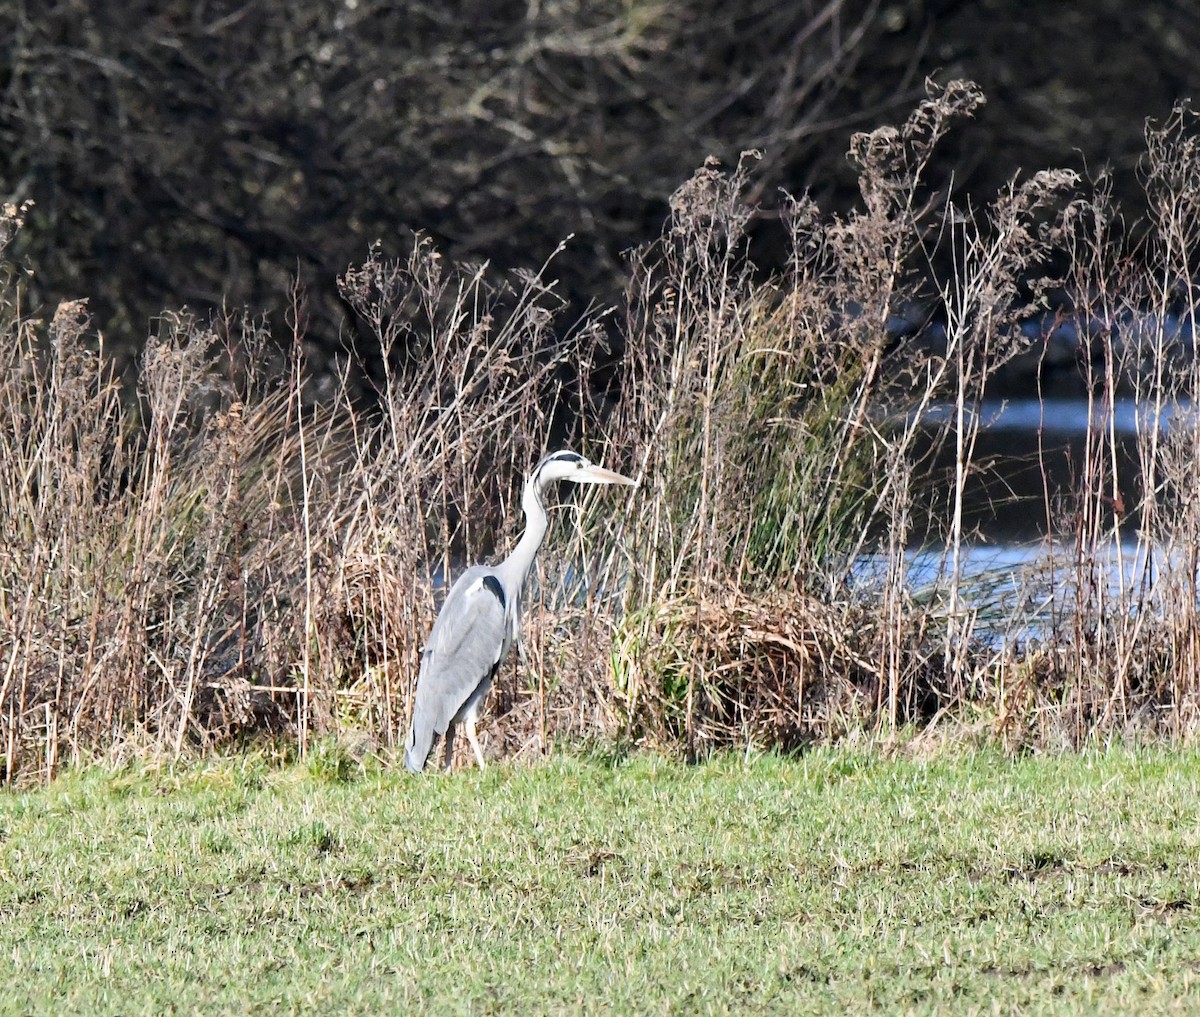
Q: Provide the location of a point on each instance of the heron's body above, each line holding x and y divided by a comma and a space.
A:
477, 624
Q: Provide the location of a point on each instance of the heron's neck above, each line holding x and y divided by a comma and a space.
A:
517, 565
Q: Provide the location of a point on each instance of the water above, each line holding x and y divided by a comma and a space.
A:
1015, 576
1014, 593
1066, 419
1030, 458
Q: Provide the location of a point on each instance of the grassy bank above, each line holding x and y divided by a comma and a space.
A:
836, 882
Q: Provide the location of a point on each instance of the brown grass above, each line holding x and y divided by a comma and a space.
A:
241, 547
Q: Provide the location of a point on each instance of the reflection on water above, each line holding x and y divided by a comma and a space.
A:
1066, 417
1019, 592
1014, 576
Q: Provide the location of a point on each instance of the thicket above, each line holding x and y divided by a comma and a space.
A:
241, 548
204, 152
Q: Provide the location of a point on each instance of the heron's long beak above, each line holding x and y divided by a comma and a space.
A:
598, 475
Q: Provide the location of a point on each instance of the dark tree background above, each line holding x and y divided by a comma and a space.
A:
206, 152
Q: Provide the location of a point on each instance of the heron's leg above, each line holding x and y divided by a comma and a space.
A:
448, 747
469, 724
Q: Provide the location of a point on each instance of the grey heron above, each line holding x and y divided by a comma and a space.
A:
478, 622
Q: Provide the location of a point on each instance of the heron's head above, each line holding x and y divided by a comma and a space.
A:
573, 467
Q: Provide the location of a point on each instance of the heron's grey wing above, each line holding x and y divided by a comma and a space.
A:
464, 648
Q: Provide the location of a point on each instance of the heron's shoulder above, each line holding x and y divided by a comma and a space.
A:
473, 615
476, 581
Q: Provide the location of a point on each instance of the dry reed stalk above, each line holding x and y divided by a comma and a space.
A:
242, 549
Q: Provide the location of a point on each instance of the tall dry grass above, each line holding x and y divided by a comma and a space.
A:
238, 548
791, 428
1122, 653
241, 547
147, 559
787, 433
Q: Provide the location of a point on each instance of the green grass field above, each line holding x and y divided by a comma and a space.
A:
836, 882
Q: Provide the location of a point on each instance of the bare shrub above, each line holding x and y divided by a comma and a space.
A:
209, 155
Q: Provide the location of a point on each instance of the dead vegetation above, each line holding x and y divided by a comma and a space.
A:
237, 550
